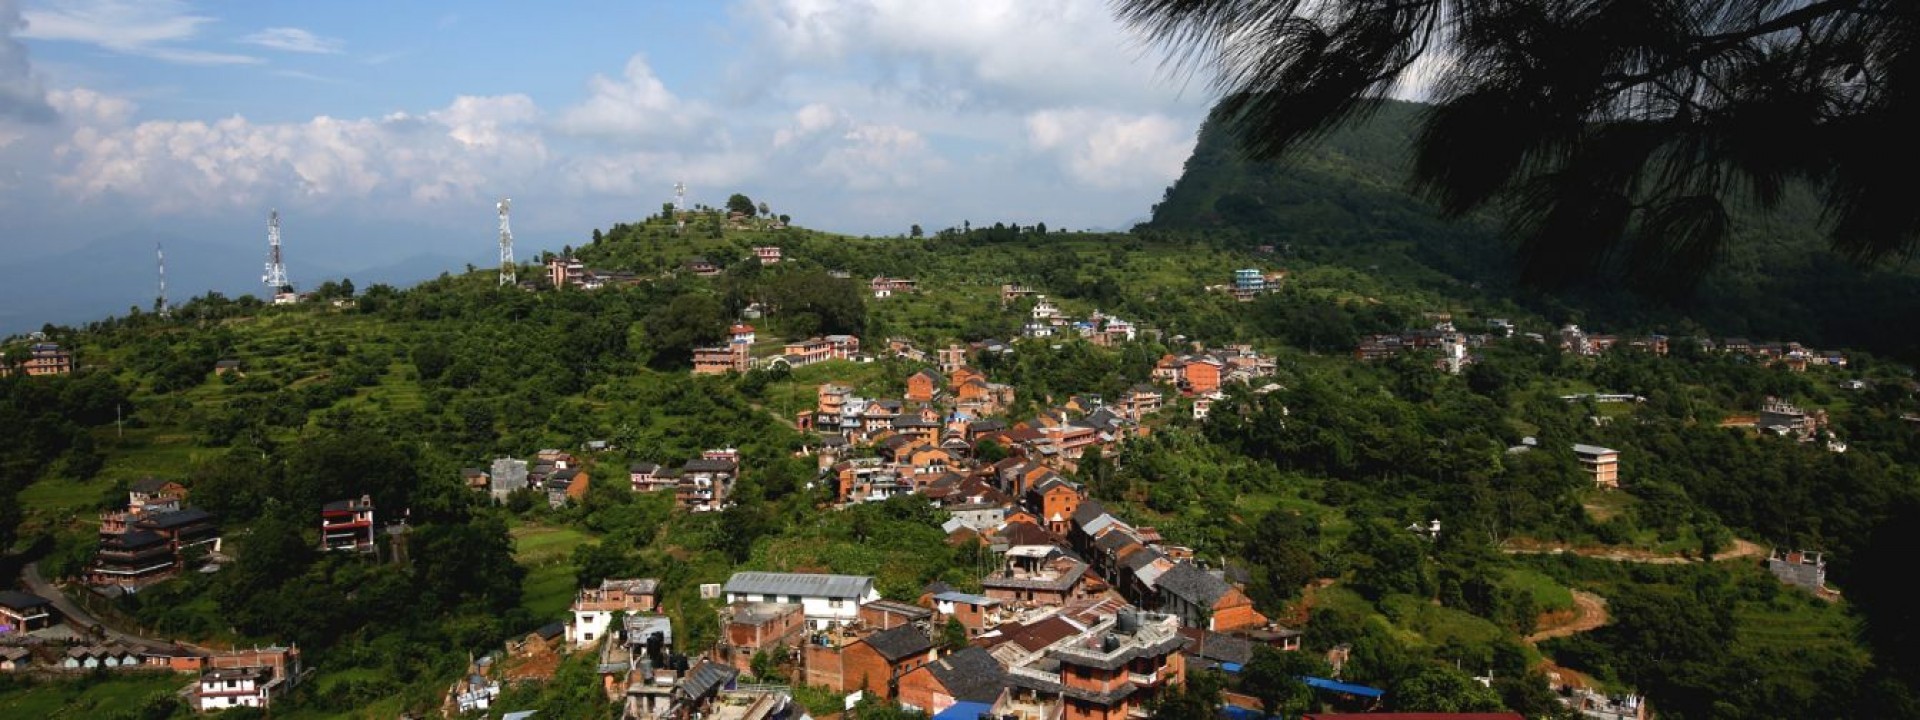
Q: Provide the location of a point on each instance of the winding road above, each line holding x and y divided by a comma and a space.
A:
1740, 549
77, 617
1589, 612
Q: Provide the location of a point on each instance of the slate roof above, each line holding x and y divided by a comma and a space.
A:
1217, 647
1088, 511
806, 585
970, 675
707, 678
22, 601
176, 518
643, 468
148, 485
1188, 582
1593, 449
706, 465
899, 643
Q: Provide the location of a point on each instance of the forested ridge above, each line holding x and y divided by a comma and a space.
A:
1344, 200
1305, 489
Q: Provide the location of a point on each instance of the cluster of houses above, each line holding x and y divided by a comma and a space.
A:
43, 358
884, 287
568, 272
1083, 616
736, 354
556, 473
1456, 347
230, 678
1045, 320
703, 484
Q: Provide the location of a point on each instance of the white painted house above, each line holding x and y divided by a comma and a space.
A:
223, 688
826, 600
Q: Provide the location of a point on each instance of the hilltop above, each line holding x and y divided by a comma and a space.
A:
1343, 201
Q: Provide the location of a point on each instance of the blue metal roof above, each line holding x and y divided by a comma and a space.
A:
965, 711
1340, 687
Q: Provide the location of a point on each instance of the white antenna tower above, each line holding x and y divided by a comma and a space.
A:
276, 276
506, 243
160, 298
680, 197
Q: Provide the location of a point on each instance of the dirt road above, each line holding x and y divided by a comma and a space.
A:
1740, 549
1589, 612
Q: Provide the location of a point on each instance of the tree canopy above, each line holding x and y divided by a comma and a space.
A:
1615, 134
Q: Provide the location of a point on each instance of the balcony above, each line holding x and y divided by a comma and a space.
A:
1144, 679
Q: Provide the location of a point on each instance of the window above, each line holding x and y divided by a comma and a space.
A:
834, 603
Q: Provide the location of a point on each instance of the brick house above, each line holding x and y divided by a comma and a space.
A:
923, 386
749, 628
722, 359
976, 613
150, 494
876, 662
887, 614
1041, 575
970, 675
1113, 671
1205, 601
48, 359
827, 600
246, 678
1054, 501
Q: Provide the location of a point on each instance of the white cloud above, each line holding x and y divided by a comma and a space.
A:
636, 106
993, 55
292, 39
1112, 150
87, 108
463, 151
148, 28
21, 96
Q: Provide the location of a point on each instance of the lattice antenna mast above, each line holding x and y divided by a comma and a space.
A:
160, 296
680, 197
506, 243
276, 276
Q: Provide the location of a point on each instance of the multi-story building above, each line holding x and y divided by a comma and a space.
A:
140, 548
347, 525
706, 484
47, 358
247, 678
751, 628
767, 254
1112, 671
593, 608
1602, 463
825, 600
722, 359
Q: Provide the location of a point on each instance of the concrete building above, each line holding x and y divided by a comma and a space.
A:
1602, 463
825, 600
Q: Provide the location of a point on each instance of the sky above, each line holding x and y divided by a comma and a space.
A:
384, 131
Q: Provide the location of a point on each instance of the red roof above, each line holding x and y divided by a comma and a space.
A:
1414, 716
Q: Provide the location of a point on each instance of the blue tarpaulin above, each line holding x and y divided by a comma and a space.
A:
965, 711
1340, 687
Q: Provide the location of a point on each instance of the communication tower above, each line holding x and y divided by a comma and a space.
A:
160, 296
679, 197
276, 277
506, 243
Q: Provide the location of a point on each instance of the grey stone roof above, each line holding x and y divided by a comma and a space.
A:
705, 465
1088, 511
898, 643
971, 675
177, 518
798, 584
148, 485
21, 601
1188, 582
707, 678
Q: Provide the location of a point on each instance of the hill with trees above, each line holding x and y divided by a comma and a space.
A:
1305, 489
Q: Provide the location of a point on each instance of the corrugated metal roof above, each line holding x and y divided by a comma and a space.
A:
799, 584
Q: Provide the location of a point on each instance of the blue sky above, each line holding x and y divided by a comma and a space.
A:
387, 130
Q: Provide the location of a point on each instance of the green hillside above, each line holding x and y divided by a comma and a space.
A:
390, 392
1343, 201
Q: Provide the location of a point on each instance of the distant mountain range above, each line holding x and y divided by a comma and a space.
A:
1344, 201
112, 274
